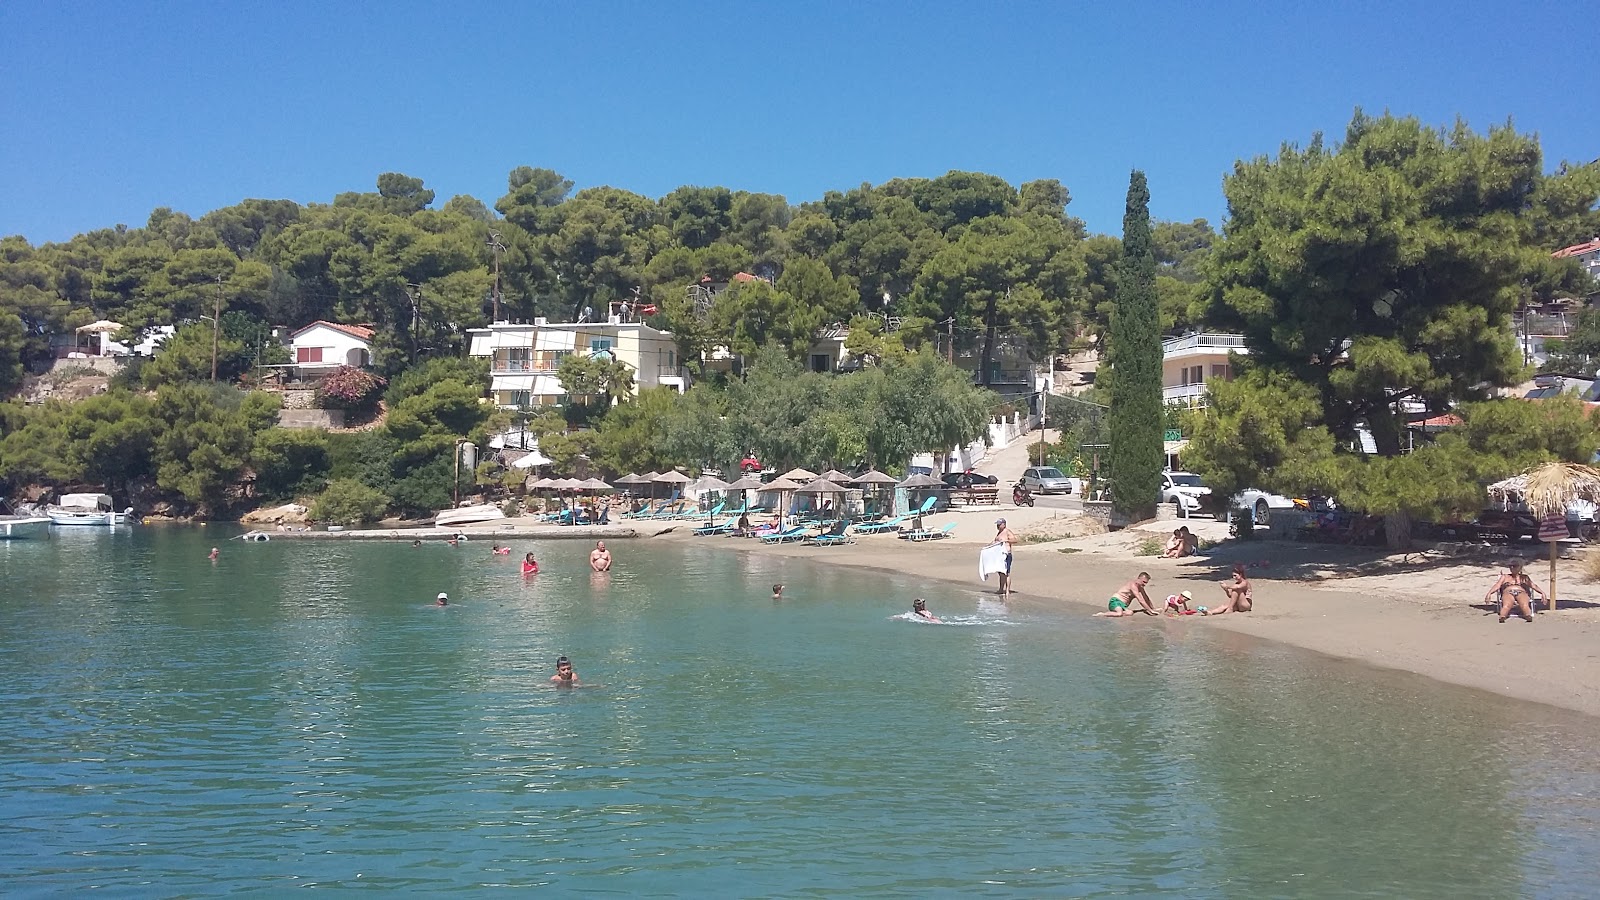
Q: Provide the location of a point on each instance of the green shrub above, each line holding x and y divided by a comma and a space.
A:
349, 502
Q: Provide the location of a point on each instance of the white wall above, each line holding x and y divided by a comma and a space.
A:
338, 349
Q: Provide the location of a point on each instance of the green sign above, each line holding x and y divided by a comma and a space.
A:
1173, 434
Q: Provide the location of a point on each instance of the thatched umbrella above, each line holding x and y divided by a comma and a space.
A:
835, 476
1548, 490
799, 476
819, 486
877, 482
784, 486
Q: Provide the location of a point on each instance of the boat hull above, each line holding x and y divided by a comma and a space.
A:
13, 528
99, 520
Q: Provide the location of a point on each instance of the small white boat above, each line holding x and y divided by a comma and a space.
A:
19, 527
465, 515
87, 509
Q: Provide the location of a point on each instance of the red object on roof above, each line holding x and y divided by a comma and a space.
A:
744, 276
1577, 249
1448, 420
362, 332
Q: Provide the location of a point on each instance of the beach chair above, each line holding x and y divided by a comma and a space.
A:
644, 513
929, 534
894, 523
783, 537
697, 514
833, 537
724, 528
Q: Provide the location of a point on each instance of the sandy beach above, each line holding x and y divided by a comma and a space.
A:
1421, 614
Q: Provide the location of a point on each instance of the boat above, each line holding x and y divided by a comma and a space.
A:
465, 515
87, 509
17, 527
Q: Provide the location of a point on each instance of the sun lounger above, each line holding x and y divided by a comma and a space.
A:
833, 538
929, 535
724, 528
784, 537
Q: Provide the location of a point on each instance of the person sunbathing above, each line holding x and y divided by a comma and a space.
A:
1237, 589
1181, 544
1514, 590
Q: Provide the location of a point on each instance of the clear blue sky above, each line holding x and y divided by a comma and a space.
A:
108, 110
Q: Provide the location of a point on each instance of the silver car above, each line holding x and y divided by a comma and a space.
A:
1046, 480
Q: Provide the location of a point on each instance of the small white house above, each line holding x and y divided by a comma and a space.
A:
321, 347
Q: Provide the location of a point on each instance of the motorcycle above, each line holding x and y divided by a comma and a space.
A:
1020, 495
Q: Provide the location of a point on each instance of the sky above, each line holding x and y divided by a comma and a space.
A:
110, 110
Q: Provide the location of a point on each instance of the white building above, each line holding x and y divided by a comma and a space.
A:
523, 358
322, 347
1188, 362
1587, 254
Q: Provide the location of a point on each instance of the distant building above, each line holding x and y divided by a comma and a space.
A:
523, 358
321, 347
1587, 254
1188, 362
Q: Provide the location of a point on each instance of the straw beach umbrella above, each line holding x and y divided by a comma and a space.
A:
835, 476
799, 476
877, 482
1548, 490
743, 486
820, 486
785, 486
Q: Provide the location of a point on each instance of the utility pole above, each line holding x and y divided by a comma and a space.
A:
1043, 396
950, 340
216, 315
498, 248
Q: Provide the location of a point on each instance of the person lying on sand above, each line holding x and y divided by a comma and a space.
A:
1238, 593
1514, 590
1122, 601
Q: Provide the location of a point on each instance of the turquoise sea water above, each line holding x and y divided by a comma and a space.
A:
299, 714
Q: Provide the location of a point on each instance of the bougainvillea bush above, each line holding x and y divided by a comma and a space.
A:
350, 388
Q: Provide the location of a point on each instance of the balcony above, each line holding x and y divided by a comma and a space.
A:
1203, 345
523, 366
1187, 394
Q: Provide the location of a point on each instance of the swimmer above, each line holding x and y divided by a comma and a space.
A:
919, 608
444, 599
416, 545
530, 566
565, 676
1122, 602
498, 550
600, 557
214, 554
777, 592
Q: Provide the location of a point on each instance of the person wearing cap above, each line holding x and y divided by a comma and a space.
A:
1178, 604
444, 599
564, 676
1004, 535
1515, 591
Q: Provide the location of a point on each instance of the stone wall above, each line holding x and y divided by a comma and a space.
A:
299, 398
311, 418
105, 365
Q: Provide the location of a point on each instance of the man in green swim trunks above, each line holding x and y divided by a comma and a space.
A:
1122, 601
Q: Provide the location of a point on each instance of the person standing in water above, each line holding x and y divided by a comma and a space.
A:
530, 566
214, 554
565, 676
444, 599
919, 608
600, 557
777, 592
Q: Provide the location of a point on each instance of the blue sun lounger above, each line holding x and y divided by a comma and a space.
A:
784, 537
840, 534
894, 523
929, 535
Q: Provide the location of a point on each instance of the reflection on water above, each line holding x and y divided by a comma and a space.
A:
301, 714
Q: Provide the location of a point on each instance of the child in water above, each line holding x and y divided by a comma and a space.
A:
919, 608
777, 592
498, 550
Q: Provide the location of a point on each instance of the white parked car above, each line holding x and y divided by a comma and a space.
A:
1183, 489
1049, 480
1260, 503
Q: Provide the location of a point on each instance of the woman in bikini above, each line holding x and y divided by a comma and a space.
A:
1515, 591
1240, 598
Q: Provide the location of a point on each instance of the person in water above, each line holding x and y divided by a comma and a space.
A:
1238, 592
444, 599
919, 608
214, 554
777, 592
1122, 602
530, 566
565, 676
416, 545
600, 557
1515, 591
498, 550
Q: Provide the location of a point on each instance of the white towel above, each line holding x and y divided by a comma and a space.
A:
991, 560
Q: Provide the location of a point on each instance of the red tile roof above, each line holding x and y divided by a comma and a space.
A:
360, 332
1577, 249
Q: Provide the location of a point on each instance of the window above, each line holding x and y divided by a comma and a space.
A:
599, 345
308, 354
820, 362
1222, 371
1196, 374
522, 399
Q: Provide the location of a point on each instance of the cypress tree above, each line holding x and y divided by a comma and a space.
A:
1135, 419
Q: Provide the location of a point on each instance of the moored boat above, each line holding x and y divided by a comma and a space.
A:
87, 509
19, 527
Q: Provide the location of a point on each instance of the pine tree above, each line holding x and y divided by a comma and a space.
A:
1134, 355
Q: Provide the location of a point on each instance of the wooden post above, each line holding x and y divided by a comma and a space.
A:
1552, 593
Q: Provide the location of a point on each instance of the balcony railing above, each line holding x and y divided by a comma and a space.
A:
670, 372
1217, 342
509, 366
1184, 393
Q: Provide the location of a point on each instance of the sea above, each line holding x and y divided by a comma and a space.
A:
298, 714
